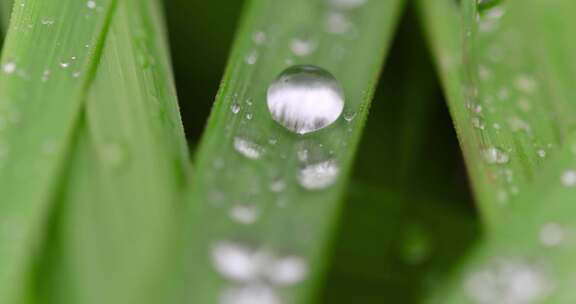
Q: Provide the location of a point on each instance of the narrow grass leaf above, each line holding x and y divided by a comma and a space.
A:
123, 194
262, 192
516, 66
40, 102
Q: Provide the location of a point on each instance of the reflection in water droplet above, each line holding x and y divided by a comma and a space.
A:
496, 156
507, 282
305, 98
248, 148
287, 271
569, 178
244, 213
254, 293
319, 176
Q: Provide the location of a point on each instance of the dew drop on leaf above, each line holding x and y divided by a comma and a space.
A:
234, 261
496, 156
244, 213
286, 271
9, 67
318, 176
507, 282
569, 178
305, 98
248, 148
551, 235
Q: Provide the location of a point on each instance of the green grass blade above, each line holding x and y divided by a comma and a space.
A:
293, 221
39, 117
5, 11
519, 66
124, 191
512, 111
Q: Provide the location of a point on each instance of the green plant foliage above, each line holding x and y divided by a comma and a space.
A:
293, 221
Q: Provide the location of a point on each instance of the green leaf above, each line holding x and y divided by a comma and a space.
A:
39, 118
119, 197
292, 221
5, 10
124, 190
517, 64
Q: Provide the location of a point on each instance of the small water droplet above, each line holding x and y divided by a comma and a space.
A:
337, 23
235, 108
305, 98
45, 75
91, 4
302, 46
478, 123
569, 178
259, 37
248, 148
251, 58
496, 156
235, 261
551, 235
254, 293
47, 21
278, 185
9, 67
541, 153
507, 282
525, 83
318, 176
349, 116
244, 213
64, 65
286, 271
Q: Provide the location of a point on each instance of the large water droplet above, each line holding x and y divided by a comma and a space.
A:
305, 98
318, 176
244, 213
